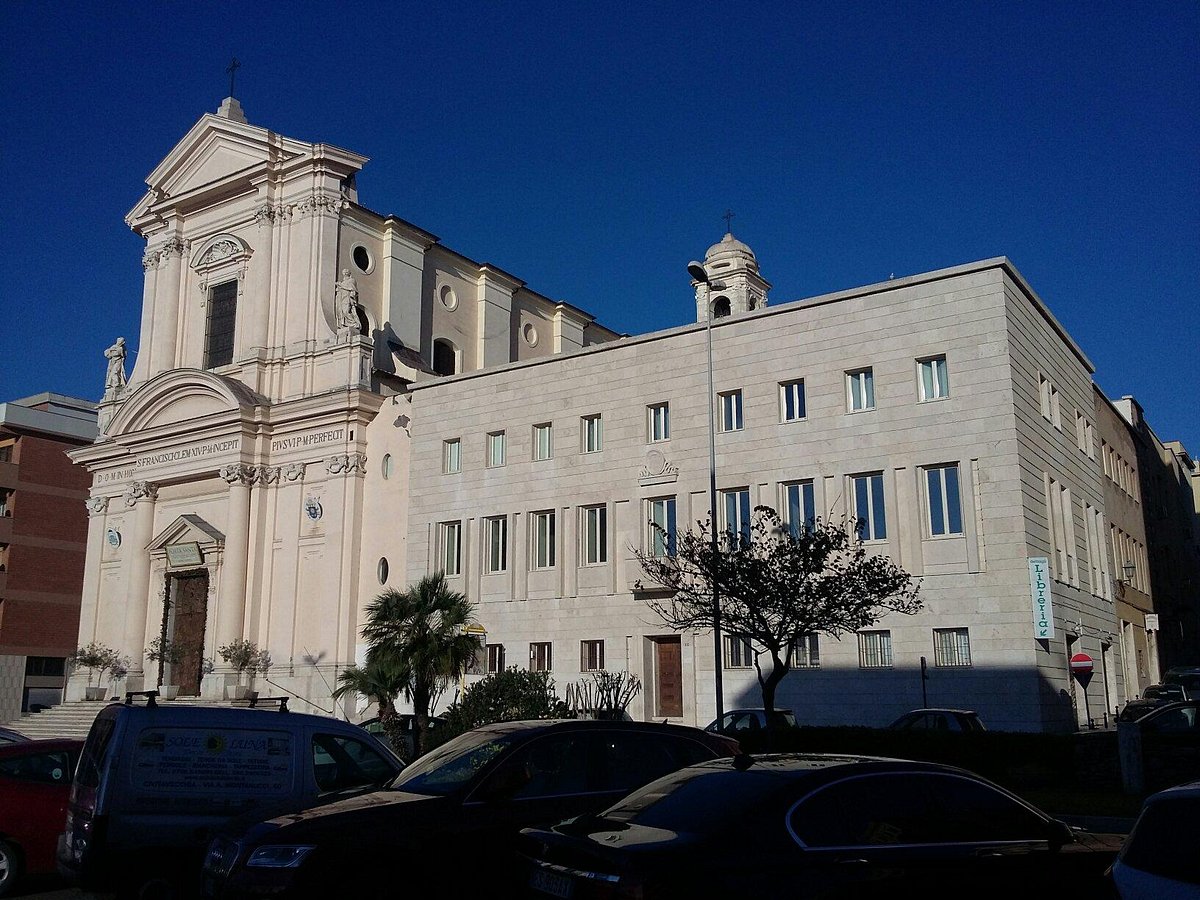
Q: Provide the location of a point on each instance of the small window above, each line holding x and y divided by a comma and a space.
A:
382, 570
951, 648
791, 401
591, 656
340, 763
543, 441
943, 500
739, 654
658, 422
362, 259
495, 536
51, 767
806, 652
934, 379
592, 428
860, 390
495, 658
594, 536
445, 357
661, 539
736, 514
542, 526
539, 657
451, 456
721, 307
799, 507
6, 503
730, 403
1044, 396
869, 506
6, 452
450, 547
386, 465
222, 317
875, 649
495, 449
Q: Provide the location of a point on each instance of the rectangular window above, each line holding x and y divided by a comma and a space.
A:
869, 506
222, 315
591, 656
738, 652
543, 539
495, 658
730, 404
799, 507
1097, 554
951, 648
935, 380
943, 500
860, 390
874, 649
658, 422
594, 535
495, 538
450, 547
543, 443
736, 514
791, 401
5, 502
1080, 432
1055, 408
495, 449
661, 539
806, 652
1068, 519
1044, 396
593, 433
6, 452
451, 456
1090, 440
539, 657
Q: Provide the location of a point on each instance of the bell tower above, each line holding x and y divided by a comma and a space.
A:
734, 285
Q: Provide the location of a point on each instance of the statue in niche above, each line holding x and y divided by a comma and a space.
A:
346, 299
114, 378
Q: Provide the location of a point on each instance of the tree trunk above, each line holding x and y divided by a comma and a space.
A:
769, 684
420, 698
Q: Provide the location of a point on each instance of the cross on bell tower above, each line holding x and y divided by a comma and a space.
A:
230, 108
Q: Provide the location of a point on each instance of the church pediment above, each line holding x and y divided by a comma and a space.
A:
187, 529
183, 396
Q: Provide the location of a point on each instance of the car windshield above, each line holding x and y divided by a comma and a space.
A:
700, 801
450, 767
1159, 845
1189, 680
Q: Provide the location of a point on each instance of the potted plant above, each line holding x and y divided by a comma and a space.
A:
97, 659
166, 653
244, 656
118, 668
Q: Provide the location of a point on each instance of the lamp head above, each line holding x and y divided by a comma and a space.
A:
696, 270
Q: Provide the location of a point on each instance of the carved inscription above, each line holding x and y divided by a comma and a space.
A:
314, 439
196, 451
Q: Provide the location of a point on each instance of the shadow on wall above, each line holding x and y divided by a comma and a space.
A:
1006, 698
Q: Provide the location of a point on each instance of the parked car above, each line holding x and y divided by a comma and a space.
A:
818, 825
1169, 693
1188, 676
35, 781
1159, 858
408, 724
1135, 709
962, 720
11, 736
456, 811
1170, 739
156, 783
738, 722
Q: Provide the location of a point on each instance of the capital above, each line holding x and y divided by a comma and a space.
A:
140, 490
238, 474
96, 505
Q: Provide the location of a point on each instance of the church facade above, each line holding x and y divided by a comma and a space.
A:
249, 479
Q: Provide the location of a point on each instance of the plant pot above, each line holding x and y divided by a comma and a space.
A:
94, 693
238, 691
168, 691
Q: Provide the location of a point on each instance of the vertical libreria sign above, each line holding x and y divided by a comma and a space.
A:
1039, 589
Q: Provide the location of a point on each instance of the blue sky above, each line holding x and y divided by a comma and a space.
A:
591, 149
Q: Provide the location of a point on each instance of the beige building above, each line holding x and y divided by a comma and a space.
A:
251, 472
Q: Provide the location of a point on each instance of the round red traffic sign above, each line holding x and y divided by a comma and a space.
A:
1081, 664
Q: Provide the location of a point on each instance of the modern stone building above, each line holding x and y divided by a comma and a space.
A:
233, 495
43, 526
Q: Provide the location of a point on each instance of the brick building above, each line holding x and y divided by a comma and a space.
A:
43, 533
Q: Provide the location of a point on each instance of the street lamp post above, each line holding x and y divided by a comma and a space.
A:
696, 270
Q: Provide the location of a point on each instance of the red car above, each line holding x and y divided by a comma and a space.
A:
35, 781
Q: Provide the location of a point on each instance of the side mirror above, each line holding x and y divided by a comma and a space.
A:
1059, 834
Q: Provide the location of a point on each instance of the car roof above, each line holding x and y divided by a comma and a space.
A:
216, 715
26, 747
936, 709
746, 709
800, 765
533, 726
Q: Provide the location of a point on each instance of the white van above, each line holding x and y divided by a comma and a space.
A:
156, 782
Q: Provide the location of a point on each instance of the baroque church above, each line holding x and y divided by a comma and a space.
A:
251, 470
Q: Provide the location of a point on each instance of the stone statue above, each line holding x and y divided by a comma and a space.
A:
114, 378
346, 294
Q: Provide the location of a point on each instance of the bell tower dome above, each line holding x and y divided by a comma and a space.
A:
734, 285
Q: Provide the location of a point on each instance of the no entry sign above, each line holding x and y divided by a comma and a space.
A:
1081, 664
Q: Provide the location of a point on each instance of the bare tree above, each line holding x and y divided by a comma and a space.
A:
776, 586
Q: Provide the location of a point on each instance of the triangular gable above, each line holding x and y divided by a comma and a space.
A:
184, 530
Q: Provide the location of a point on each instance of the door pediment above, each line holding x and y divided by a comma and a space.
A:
186, 529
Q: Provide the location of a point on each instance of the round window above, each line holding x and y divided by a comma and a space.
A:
448, 297
362, 258
383, 570
531, 335
386, 465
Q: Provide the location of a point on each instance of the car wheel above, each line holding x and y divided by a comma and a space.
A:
10, 867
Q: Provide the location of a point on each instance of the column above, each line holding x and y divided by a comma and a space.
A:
231, 600
259, 294
166, 307
140, 497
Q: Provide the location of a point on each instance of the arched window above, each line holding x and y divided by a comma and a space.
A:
720, 307
445, 357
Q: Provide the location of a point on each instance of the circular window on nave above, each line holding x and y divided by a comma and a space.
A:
362, 258
383, 570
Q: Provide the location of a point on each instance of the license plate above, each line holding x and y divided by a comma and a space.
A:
550, 883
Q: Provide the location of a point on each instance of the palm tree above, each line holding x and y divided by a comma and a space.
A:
420, 634
381, 684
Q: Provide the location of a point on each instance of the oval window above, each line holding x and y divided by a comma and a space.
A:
386, 465
531, 335
383, 570
362, 258
449, 299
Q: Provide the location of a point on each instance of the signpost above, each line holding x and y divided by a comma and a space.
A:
1043, 606
1081, 668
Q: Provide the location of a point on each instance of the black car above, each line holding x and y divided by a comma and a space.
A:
960, 720
793, 826
456, 810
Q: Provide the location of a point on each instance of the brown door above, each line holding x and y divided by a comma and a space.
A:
668, 675
189, 609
